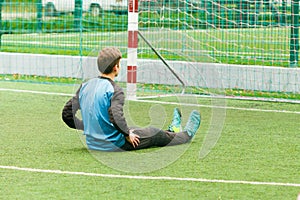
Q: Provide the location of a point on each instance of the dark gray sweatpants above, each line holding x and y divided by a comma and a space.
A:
154, 137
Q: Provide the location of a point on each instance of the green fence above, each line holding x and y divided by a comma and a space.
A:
249, 32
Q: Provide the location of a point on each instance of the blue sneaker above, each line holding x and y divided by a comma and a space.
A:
193, 123
175, 126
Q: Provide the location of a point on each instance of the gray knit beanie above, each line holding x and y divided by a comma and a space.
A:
106, 57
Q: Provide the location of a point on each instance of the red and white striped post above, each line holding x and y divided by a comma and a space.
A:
132, 48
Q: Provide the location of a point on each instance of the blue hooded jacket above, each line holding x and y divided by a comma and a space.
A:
101, 103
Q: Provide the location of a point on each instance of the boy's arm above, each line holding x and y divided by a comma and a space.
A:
69, 113
116, 112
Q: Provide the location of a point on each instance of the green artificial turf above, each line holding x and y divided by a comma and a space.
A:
259, 145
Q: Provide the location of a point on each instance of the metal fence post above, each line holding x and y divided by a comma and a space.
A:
39, 15
1, 31
78, 15
294, 40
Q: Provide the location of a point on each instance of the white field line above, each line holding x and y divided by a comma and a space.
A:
225, 97
159, 178
161, 102
221, 107
35, 92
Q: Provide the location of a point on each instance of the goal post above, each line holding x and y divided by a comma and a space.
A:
132, 54
132, 48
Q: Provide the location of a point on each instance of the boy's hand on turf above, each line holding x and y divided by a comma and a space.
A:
133, 139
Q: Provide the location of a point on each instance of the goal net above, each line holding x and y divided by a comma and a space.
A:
197, 47
240, 47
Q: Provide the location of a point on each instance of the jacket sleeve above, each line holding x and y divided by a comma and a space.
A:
116, 112
69, 113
